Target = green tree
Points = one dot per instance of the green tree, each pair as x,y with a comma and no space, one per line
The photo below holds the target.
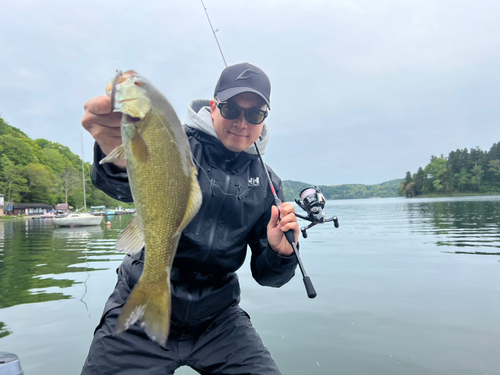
67,180
435,166
410,190
477,174
494,167
437,185
462,179
477,157
18,151
13,182
402,187
75,160
40,184
419,179
55,160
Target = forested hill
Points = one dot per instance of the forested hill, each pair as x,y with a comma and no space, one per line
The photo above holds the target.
461,172
292,190
40,171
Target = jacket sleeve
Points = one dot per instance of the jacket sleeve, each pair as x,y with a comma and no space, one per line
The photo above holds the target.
109,178
268,267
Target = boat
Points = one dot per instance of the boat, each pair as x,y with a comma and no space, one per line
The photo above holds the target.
47,215
98,210
78,219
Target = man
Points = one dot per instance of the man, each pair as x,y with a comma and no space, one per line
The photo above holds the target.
209,331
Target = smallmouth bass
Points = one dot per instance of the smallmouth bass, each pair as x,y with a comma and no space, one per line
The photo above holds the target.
166,194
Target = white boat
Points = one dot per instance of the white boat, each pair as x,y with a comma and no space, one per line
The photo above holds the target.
78,219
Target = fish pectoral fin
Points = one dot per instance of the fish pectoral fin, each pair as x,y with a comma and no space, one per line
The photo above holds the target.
139,147
194,203
131,240
115,155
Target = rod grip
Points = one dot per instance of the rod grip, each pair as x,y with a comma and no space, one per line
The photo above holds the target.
290,236
311,292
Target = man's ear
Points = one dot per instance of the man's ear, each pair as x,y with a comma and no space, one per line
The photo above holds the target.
213,106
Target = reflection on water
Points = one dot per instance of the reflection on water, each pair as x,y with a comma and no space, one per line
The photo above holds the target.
3,330
39,261
465,222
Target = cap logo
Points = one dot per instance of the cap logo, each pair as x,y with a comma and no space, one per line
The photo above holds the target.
248,73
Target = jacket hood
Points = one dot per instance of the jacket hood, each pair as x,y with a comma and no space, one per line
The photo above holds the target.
198,117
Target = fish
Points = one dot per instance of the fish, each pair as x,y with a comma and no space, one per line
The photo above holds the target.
164,185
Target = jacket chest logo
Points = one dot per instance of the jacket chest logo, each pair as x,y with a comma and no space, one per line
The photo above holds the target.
253,182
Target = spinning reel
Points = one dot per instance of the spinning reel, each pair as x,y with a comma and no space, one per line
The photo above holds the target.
312,201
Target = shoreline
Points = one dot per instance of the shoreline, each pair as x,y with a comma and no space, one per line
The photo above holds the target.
14,217
454,195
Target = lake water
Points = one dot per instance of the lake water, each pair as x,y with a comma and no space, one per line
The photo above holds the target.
405,286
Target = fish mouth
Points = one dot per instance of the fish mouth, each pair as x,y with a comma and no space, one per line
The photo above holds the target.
128,77
130,97
129,118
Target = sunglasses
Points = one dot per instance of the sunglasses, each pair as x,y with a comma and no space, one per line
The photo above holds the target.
231,111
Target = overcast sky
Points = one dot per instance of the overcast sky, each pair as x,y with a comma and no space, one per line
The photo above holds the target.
362,90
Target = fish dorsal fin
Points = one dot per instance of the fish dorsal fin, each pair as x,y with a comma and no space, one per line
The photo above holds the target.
115,155
194,204
131,240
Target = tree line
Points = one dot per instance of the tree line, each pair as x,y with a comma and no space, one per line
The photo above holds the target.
40,171
461,172
292,190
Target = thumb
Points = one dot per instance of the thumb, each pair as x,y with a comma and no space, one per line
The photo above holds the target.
273,222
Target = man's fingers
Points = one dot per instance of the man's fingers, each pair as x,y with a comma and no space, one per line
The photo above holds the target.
286,208
273,222
91,120
111,120
99,105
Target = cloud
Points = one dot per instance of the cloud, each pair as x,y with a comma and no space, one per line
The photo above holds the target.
362,91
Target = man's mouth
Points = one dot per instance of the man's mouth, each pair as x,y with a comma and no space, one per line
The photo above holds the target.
238,135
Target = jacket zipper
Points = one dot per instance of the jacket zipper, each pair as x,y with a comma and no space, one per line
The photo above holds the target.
216,216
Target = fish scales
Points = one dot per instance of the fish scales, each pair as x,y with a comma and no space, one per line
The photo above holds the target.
166,195
165,198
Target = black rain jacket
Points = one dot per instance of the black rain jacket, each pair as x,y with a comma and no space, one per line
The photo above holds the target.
235,212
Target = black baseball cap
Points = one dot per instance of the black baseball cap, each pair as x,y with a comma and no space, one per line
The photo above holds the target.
244,77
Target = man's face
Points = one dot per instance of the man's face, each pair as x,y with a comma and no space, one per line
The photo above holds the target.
238,134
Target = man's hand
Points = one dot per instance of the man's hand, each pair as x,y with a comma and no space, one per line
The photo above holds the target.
276,229
103,125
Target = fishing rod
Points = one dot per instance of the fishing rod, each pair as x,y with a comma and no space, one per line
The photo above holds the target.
289,234
311,200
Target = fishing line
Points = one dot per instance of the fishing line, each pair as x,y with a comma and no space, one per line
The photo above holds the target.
87,265
212,183
214,31
290,187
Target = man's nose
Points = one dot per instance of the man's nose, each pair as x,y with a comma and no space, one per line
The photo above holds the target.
241,120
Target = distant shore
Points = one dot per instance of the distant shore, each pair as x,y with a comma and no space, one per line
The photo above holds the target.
454,195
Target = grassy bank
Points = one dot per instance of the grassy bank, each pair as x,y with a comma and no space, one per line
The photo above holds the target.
16,217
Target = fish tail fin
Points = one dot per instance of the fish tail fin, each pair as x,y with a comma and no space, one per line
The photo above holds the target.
149,302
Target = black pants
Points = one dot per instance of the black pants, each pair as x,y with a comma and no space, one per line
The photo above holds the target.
226,344
229,345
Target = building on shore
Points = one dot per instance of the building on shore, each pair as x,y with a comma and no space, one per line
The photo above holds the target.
28,209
